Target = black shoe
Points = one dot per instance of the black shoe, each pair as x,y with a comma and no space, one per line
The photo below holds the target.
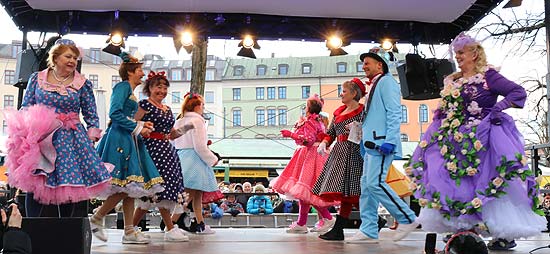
337,231
381,223
447,238
501,244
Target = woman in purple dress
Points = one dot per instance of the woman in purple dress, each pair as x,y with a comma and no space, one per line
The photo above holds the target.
470,171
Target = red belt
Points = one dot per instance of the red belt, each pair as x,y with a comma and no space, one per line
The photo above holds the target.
159,135
342,138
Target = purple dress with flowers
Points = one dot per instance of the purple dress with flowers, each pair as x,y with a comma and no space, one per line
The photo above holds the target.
471,174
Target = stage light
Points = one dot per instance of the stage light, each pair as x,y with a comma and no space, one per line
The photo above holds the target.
114,43
247,44
387,45
116,39
187,38
334,44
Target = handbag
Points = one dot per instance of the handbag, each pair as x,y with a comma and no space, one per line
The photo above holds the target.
398,182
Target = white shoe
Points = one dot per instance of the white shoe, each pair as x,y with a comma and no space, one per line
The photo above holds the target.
294,228
138,229
326,226
135,238
318,225
403,230
206,231
98,230
359,237
175,235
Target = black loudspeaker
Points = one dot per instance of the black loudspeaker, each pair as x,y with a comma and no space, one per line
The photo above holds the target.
422,79
27,63
59,235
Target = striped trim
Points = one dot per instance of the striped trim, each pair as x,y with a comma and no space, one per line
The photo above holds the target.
388,193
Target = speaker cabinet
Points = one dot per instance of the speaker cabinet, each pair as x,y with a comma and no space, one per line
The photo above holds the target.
59,235
422,79
27,63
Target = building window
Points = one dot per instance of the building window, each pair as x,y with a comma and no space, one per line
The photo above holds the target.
360,67
339,90
306,68
305,92
94,55
282,92
404,137
236,94
271,93
238,70
148,63
236,117
94,78
423,113
404,114
188,74
9,77
210,74
209,97
142,96
261,70
4,127
283,69
176,97
341,67
115,79
177,74
117,60
210,118
271,117
282,116
260,117
165,64
9,101
15,49
259,93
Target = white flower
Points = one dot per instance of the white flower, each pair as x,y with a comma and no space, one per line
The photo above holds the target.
455,104
523,160
458,137
498,182
471,135
452,156
476,203
464,151
463,211
422,202
423,144
478,145
471,171
443,150
493,191
440,137
451,166
478,160
520,171
503,174
436,206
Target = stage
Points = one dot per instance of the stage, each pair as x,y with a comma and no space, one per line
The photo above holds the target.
276,241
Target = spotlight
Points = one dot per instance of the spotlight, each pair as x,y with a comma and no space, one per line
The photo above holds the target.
387,45
335,44
247,44
116,39
184,39
115,42
513,3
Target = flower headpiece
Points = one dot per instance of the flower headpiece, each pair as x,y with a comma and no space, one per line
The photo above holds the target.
127,58
160,74
462,40
361,86
67,42
317,98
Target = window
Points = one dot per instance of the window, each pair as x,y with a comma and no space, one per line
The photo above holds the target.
4,127
260,117
210,74
360,67
341,67
117,60
236,94
339,90
176,74
283,69
236,117
115,79
142,96
94,55
165,64
404,114
271,117
8,101
210,118
148,63
238,70
306,68
271,93
282,92
9,77
305,92
176,97
15,49
259,93
188,73
282,116
261,70
423,113
209,97
95,80
404,137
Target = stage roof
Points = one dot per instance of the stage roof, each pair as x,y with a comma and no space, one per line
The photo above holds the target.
406,21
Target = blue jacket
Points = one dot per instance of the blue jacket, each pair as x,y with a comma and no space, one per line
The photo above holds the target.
256,202
383,120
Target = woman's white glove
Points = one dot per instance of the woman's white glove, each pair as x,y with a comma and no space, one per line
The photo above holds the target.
322,149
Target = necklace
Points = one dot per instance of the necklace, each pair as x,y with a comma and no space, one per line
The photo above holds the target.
160,106
61,81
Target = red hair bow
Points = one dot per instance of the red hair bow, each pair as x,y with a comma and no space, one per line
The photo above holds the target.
152,74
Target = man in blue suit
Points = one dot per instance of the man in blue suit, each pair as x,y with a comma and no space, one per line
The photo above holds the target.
381,137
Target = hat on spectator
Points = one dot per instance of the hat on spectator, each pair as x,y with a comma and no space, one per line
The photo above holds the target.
259,187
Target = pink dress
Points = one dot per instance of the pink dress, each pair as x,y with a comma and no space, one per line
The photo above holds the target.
303,169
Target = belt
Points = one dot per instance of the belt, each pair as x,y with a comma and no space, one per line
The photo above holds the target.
342,138
159,135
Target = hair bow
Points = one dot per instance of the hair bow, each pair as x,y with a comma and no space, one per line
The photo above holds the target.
191,95
152,74
67,42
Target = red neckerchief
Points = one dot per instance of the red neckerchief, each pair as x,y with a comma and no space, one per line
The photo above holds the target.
371,81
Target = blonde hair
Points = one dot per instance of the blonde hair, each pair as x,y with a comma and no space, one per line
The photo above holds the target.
480,63
59,49
351,86
189,104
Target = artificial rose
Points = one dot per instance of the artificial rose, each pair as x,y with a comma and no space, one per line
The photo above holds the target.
422,202
498,182
443,150
423,144
451,166
477,145
471,171
476,203
458,137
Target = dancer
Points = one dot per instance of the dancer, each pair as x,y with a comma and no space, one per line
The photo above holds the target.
135,174
50,152
470,171
163,154
304,168
196,159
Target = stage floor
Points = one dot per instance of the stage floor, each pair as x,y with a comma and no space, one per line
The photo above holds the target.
276,241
